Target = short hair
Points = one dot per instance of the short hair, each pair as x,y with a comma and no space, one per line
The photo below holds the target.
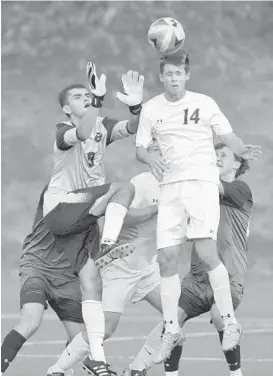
65,91
180,58
244,166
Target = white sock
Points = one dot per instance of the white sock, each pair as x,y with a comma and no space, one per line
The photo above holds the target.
219,281
170,290
174,373
76,351
144,358
238,372
94,320
114,217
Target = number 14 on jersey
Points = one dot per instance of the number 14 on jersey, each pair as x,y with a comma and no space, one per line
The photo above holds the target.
189,117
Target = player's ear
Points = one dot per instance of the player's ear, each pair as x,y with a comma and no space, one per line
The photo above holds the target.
67,109
188,75
236,165
160,77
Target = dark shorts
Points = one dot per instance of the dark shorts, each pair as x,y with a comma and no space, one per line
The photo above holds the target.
197,297
76,231
65,299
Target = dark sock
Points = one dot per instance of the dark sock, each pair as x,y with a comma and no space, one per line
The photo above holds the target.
233,357
172,363
10,347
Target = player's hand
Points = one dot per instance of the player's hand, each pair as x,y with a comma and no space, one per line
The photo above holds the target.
132,83
97,85
157,166
252,152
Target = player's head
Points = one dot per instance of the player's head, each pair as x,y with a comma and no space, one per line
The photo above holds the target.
174,72
75,100
229,163
154,148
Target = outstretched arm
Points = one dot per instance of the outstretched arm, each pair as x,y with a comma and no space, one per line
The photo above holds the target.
235,144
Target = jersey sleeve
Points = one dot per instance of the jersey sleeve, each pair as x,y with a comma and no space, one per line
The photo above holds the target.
66,136
116,130
219,123
236,193
144,135
138,183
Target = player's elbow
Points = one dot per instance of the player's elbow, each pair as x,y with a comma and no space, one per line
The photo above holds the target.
82,134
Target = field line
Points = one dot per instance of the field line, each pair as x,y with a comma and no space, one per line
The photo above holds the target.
194,359
142,338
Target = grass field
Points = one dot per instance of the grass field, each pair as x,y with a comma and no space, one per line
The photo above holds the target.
202,354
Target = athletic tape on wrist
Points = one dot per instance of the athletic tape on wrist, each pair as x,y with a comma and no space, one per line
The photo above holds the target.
135,110
97,101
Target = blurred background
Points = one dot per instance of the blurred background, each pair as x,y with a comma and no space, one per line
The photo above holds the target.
45,46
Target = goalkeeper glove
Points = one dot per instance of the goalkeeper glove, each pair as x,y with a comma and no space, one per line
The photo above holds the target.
96,85
132,83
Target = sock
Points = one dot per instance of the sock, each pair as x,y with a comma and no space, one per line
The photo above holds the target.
171,365
170,290
233,358
144,358
171,373
219,281
75,351
94,320
11,345
238,372
114,217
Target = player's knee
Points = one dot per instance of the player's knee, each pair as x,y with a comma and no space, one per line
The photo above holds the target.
167,260
207,252
90,278
111,323
29,324
125,192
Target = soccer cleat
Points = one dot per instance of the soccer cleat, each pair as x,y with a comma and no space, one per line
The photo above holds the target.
111,252
168,342
97,368
70,372
231,337
134,372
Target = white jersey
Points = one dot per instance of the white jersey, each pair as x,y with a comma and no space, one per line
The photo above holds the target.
183,130
146,194
79,164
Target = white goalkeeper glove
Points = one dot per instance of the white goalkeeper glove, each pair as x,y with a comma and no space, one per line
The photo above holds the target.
97,85
132,83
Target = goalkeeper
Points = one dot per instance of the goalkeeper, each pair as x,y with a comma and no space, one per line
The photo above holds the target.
77,194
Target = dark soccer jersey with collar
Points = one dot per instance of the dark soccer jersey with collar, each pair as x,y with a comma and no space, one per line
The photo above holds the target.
41,253
232,238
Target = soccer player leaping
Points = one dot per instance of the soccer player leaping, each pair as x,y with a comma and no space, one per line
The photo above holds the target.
196,298
77,194
182,122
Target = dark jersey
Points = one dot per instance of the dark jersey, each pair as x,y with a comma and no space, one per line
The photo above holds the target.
40,252
232,238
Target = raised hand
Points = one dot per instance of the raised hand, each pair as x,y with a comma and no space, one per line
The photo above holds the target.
252,152
96,84
132,83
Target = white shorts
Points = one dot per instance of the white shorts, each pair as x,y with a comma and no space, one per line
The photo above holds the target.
121,285
187,210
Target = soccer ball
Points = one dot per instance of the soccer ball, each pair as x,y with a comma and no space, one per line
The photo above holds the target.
166,35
